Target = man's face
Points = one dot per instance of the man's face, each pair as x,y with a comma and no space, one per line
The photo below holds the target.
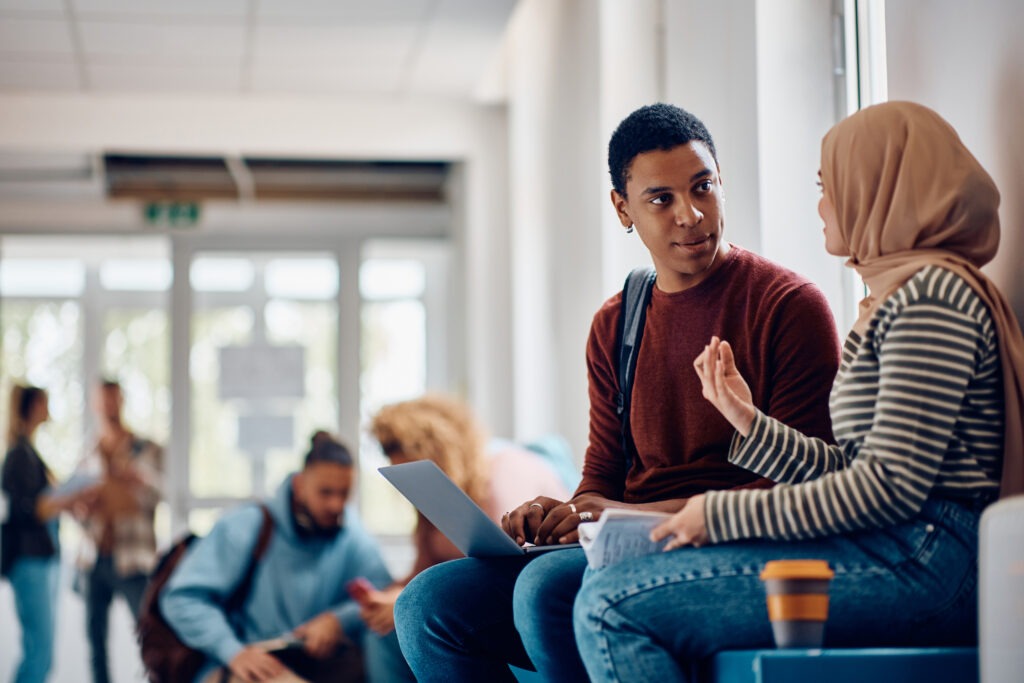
108,403
321,491
674,198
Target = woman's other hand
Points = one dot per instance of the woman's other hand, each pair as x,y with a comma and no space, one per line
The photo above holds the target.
686,527
723,385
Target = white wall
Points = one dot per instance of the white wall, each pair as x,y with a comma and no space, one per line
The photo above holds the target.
796,105
759,73
966,61
555,211
711,71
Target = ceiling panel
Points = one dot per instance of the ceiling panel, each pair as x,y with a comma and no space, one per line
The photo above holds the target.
313,46
38,76
345,79
163,42
295,46
452,60
185,8
35,36
344,10
52,6
150,78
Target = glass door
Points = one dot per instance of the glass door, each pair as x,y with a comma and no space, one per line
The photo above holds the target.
263,371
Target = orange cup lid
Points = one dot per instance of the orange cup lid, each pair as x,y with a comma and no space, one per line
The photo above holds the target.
797,569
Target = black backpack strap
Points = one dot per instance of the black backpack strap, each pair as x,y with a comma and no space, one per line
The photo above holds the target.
242,592
636,293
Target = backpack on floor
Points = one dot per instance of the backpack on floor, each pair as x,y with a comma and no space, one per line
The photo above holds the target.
636,293
164,657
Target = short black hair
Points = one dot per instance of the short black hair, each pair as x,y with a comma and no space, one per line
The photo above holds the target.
655,126
326,448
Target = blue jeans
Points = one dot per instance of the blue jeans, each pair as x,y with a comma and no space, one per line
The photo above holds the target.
102,583
467,620
35,581
655,618
382,656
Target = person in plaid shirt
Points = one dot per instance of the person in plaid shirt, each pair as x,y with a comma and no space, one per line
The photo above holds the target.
119,545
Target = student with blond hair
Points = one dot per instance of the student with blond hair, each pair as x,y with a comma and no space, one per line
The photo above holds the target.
496,475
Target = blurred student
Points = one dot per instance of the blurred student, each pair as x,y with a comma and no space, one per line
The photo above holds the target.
119,545
298,623
29,549
496,475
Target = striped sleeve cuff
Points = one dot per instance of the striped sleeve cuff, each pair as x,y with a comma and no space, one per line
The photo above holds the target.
746,451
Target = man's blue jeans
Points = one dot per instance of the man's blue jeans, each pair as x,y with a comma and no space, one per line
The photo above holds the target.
102,583
467,620
654,618
35,581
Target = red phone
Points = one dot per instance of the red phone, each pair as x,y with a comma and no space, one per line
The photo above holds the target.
360,588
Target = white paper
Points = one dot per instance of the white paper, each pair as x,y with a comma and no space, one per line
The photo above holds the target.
78,481
620,534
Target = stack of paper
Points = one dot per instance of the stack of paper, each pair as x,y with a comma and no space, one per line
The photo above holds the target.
620,534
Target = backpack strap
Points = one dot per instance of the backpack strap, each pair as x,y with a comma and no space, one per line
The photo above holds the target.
242,592
636,293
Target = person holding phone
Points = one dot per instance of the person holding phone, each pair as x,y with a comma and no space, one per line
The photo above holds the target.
298,619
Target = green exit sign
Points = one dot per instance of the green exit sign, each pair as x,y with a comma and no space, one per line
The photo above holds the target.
171,214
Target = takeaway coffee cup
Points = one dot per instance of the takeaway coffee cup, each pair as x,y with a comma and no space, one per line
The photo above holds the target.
797,592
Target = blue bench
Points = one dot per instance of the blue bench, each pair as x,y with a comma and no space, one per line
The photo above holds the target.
872,665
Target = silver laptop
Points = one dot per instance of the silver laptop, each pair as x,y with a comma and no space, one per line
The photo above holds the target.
454,513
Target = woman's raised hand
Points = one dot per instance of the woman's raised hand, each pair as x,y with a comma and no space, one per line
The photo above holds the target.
723,385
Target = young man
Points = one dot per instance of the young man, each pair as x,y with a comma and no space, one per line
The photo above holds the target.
466,620
298,592
119,545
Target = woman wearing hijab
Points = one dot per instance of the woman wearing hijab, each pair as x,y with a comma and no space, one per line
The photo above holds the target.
926,409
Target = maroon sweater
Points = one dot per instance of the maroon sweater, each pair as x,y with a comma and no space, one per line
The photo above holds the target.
784,338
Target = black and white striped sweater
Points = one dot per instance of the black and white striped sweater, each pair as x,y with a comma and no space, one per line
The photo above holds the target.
917,410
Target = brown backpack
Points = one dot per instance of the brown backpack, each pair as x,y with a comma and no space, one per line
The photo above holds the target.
165,658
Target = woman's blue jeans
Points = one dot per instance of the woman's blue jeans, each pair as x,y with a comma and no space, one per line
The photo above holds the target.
35,581
657,617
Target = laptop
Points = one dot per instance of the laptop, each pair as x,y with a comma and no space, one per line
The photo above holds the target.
454,513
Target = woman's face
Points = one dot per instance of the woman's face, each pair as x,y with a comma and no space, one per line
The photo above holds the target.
834,242
40,411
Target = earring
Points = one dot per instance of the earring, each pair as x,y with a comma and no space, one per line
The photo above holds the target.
629,229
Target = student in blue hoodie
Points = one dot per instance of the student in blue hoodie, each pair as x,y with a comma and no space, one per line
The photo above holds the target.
298,591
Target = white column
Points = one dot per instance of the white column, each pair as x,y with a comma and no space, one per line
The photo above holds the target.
632,75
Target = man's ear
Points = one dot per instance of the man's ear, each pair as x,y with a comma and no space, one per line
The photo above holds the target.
621,208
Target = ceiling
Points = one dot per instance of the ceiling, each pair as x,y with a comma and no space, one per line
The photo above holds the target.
243,47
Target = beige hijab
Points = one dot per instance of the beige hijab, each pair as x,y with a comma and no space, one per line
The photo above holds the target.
908,194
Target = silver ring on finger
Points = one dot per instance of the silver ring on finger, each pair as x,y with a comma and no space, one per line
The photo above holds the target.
537,505
572,508
586,516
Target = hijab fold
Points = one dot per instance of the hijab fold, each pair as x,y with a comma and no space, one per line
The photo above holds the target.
908,194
